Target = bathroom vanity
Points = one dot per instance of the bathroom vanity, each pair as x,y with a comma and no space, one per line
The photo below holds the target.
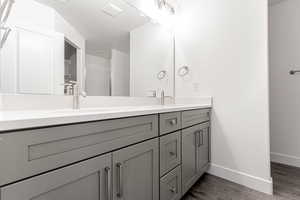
159,154
51,57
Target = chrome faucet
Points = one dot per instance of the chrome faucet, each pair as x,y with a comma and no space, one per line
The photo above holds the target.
163,98
74,90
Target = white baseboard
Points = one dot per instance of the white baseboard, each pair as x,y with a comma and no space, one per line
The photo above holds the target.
256,183
285,159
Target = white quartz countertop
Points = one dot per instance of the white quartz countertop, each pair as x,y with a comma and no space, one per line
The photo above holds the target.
18,120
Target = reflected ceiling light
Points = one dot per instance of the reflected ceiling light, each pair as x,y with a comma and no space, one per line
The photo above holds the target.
112,9
118,9
63,1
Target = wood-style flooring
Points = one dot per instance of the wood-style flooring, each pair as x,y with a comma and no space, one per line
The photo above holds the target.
286,182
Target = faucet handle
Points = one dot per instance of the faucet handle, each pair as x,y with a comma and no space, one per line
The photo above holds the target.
73,82
83,94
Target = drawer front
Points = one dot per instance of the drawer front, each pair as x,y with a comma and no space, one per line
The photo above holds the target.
169,122
27,153
170,152
192,117
170,185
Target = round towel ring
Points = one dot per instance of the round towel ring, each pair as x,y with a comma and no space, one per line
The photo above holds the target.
183,71
161,75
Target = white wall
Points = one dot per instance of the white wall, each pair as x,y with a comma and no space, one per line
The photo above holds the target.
151,50
225,45
97,76
120,73
285,89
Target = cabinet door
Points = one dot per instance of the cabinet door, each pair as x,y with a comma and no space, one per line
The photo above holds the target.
88,180
190,138
136,174
203,149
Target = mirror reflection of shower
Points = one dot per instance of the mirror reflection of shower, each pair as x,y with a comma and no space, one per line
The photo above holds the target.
70,67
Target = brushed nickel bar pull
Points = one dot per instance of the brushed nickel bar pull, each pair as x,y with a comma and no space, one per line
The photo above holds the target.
119,180
202,137
108,183
200,133
196,139
294,72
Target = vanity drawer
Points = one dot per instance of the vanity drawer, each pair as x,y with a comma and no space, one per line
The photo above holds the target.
192,117
30,152
170,152
170,185
169,122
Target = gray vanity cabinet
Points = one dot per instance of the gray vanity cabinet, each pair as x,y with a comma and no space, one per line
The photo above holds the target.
136,172
195,154
139,158
88,180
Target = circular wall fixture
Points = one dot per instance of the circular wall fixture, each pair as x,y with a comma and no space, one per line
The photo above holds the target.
183,71
162,74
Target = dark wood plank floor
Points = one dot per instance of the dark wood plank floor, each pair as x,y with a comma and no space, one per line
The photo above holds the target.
286,181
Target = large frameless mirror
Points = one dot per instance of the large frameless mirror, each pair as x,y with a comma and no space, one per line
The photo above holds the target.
105,47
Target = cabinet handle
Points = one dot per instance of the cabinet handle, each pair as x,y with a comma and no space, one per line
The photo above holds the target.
119,180
197,138
173,122
172,153
201,142
173,190
108,182
202,134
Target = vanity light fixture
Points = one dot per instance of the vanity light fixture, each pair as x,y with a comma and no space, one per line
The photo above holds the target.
165,5
5,9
